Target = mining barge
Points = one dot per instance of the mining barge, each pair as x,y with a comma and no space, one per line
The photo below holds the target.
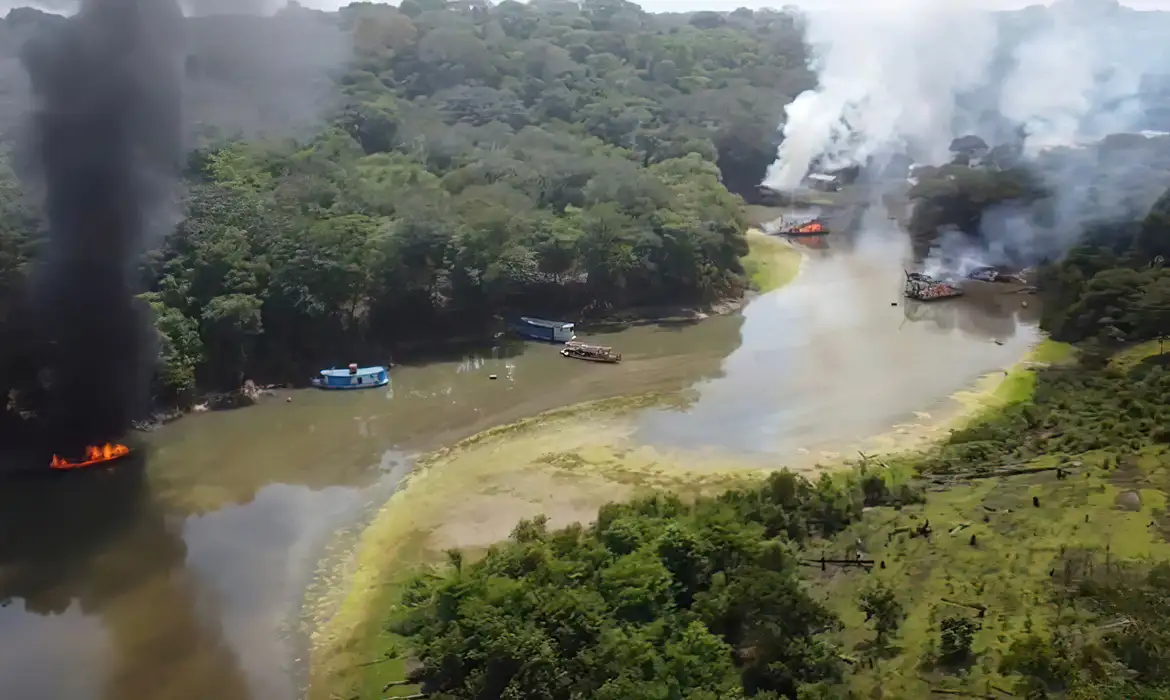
922,287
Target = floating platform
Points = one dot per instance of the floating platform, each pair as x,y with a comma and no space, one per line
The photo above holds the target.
548,331
922,287
811,228
796,227
591,353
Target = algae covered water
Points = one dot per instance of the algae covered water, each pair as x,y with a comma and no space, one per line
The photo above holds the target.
178,579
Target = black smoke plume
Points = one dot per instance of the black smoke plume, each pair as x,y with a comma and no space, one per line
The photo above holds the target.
107,142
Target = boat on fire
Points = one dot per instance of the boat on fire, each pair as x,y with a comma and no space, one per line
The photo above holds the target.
352,377
591,353
94,456
922,287
796,227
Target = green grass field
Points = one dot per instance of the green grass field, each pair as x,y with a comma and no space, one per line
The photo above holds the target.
1094,513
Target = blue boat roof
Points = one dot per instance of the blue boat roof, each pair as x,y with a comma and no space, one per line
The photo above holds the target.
545,324
362,372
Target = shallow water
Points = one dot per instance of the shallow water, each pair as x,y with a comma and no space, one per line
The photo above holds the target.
839,356
177,578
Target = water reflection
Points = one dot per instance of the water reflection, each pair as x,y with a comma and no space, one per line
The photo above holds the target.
55,532
105,578
173,580
837,357
987,311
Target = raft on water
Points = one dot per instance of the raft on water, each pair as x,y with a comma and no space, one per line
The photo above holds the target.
540,329
925,288
592,353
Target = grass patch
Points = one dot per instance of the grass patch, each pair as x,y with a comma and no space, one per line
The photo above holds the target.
1020,383
1129,359
367,657
1051,352
1019,552
771,262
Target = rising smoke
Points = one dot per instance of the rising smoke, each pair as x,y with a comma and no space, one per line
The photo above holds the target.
909,79
108,140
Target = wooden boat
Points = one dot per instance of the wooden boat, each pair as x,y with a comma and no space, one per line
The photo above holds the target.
540,329
353,377
592,353
796,228
921,287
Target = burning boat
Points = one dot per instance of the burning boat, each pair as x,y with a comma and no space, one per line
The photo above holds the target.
796,225
94,456
925,288
812,228
993,274
805,228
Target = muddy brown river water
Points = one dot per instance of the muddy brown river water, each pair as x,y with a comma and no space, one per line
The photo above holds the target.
177,578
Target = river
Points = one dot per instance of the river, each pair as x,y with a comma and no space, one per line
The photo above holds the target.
178,578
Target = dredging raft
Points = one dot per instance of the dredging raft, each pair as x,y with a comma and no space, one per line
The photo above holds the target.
591,353
922,287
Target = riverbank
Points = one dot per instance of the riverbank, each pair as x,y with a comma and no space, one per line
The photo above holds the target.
773,261
991,392
564,464
1000,549
1022,555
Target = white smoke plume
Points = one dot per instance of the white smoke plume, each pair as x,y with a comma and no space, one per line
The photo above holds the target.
919,73
889,79
910,79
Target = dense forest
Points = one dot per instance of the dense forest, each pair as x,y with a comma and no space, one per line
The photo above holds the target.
473,161
707,598
551,156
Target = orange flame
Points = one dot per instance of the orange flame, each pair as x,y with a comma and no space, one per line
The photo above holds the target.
93,455
811,227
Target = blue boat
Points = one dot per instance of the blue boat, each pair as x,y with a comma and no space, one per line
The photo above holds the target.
548,331
353,377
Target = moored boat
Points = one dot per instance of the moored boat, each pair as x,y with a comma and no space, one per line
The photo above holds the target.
592,353
548,331
352,377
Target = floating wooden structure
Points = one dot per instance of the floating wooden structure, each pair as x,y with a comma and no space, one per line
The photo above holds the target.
94,456
812,228
592,353
922,287
540,329
994,274
796,225
353,377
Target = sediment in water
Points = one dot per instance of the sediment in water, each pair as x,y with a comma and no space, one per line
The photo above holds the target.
564,464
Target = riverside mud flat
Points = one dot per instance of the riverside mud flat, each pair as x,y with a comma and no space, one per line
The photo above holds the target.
824,365
182,585
186,582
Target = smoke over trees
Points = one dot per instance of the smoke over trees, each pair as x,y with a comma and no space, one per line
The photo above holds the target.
1054,85
108,142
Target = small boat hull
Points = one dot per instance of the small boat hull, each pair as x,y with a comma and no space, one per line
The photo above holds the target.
320,384
589,358
351,378
545,331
